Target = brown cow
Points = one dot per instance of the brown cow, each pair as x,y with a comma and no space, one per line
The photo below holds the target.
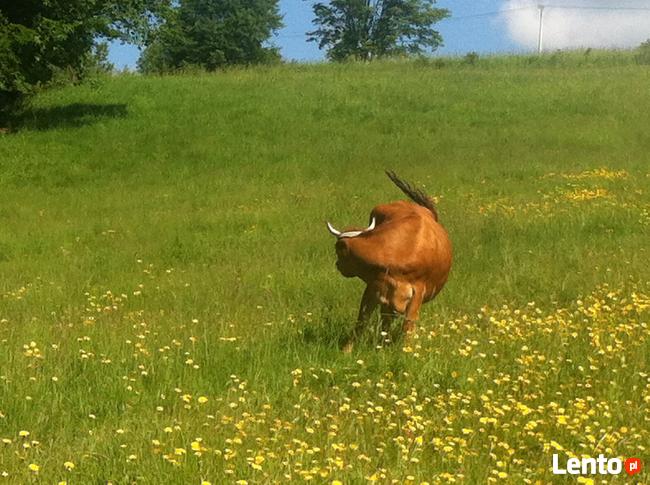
403,256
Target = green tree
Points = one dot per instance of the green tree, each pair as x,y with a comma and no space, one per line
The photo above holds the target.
38,37
213,33
365,29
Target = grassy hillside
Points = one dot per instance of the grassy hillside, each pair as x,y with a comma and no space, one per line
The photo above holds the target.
170,311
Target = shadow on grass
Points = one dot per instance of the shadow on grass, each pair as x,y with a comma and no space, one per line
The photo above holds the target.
333,332
71,115
321,335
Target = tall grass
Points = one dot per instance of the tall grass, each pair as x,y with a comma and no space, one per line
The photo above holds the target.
163,239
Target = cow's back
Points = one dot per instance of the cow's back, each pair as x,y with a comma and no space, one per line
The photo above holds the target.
407,245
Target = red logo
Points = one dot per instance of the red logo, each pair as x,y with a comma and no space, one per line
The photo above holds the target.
633,466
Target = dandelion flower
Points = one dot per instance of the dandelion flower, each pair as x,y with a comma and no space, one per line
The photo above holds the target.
68,465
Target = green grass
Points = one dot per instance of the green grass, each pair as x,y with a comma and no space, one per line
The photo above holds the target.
151,225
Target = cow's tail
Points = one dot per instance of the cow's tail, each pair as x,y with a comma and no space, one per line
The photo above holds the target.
415,194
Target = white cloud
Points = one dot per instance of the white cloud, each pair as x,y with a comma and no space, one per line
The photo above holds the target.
576,28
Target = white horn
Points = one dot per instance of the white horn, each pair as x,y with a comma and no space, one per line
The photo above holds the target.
355,233
331,229
371,226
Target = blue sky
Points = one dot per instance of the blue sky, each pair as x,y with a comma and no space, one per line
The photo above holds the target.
484,34
603,23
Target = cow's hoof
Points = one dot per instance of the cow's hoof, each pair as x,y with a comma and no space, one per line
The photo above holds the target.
347,347
408,328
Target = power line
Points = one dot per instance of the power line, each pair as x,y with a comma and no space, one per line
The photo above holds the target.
586,7
505,11
529,7
488,14
484,14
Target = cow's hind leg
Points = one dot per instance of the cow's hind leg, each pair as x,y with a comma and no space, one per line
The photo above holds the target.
400,300
368,304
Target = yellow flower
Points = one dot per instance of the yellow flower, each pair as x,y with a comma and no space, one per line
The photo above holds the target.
530,425
337,482
586,481
205,482
68,465
34,467
23,434
202,399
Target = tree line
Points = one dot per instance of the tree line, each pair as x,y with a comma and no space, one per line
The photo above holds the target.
40,38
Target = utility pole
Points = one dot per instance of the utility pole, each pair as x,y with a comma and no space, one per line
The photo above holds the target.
540,37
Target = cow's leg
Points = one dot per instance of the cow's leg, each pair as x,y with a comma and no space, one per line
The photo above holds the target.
387,316
412,313
368,305
399,299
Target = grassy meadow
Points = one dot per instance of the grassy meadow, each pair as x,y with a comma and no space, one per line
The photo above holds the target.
170,311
